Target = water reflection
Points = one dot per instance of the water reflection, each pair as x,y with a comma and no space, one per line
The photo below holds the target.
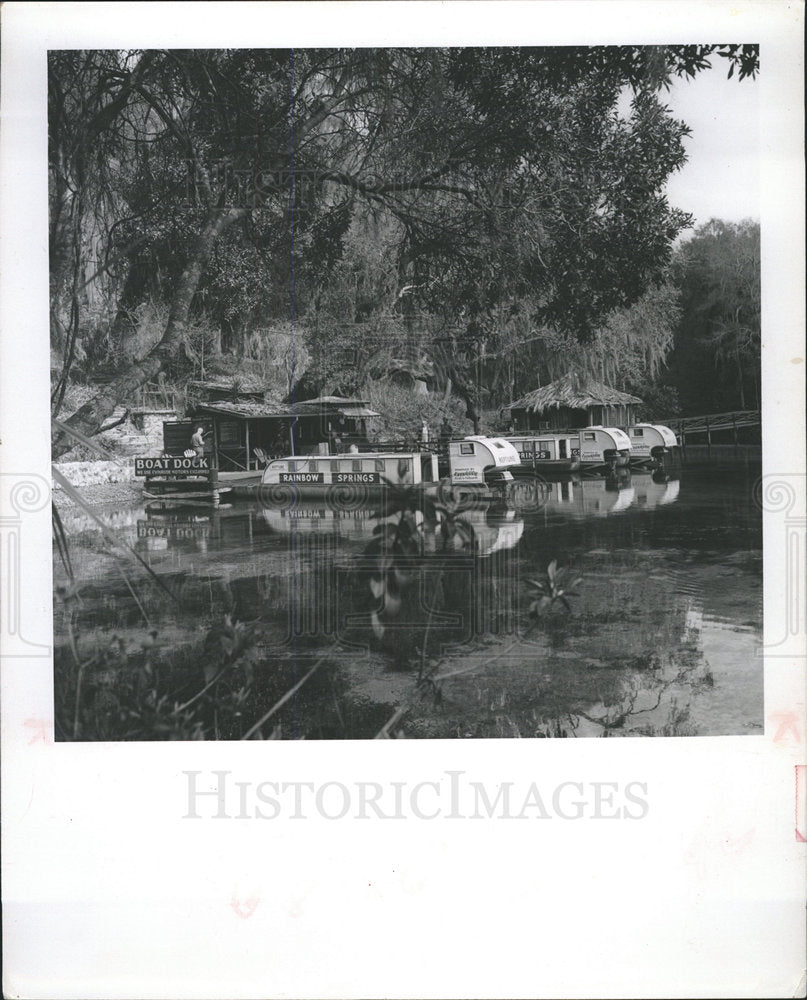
598,496
422,615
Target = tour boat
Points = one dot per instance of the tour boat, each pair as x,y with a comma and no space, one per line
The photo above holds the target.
603,447
481,462
546,452
651,443
478,466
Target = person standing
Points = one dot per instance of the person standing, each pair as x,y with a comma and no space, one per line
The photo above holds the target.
446,430
424,433
198,441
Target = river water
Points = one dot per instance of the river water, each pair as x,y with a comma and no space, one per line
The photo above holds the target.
305,621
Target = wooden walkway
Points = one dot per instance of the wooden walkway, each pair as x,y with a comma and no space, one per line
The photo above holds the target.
713,422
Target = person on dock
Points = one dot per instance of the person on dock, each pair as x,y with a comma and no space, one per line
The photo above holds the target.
198,441
446,431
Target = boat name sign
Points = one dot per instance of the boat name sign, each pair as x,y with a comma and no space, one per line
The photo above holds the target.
357,477
338,477
302,477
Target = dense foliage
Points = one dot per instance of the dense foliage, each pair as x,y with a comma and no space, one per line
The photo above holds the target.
461,202
715,365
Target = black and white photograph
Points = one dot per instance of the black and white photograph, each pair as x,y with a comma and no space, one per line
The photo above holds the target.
402,500
397,393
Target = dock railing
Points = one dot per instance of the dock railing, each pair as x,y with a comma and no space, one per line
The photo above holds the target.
721,424
731,421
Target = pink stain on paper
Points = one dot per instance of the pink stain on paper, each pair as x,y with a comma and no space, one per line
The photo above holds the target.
736,845
787,723
41,731
801,803
244,907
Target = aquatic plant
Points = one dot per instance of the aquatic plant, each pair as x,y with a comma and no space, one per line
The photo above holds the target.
407,559
555,585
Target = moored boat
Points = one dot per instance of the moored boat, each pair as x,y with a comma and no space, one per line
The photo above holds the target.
651,444
477,466
603,448
345,478
546,453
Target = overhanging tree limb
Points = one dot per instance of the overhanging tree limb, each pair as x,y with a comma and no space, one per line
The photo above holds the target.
91,416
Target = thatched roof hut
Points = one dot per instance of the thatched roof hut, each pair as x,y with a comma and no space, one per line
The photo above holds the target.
572,402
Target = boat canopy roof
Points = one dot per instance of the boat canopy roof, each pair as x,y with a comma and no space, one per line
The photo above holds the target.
501,451
666,434
350,456
619,437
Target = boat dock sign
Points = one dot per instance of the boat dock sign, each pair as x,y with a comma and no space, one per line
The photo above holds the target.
175,466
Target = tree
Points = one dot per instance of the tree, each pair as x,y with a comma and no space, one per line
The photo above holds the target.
716,363
508,171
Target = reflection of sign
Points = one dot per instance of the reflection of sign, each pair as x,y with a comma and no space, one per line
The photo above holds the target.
173,465
543,456
463,475
525,455
575,453
147,529
329,514
302,477
357,477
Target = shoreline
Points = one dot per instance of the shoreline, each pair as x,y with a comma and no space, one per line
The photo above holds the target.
101,494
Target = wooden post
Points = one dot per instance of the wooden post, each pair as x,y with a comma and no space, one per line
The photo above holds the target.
708,438
213,475
246,423
291,434
734,428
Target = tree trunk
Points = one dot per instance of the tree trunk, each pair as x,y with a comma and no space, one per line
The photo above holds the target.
90,417
468,396
740,379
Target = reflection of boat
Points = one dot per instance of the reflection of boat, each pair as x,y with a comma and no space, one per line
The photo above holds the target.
192,496
594,497
321,517
655,491
603,447
477,466
492,531
546,453
650,443
597,497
